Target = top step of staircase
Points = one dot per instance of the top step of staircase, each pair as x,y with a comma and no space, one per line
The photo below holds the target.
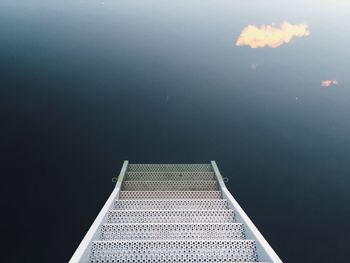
170,168
170,176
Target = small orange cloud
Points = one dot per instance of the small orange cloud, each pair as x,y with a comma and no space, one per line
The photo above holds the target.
328,82
270,35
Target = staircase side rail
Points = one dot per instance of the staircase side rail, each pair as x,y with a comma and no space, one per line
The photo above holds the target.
82,254
264,250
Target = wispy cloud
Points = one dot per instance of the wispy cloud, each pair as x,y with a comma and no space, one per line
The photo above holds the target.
329,82
271,35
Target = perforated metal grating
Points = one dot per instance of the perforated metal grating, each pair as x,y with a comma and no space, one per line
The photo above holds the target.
170,186
171,204
176,250
170,168
169,194
170,176
169,213
155,231
171,216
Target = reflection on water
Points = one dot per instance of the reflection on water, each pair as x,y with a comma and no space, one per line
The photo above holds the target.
328,82
271,35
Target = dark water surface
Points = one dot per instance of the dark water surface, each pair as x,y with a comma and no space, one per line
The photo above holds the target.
87,84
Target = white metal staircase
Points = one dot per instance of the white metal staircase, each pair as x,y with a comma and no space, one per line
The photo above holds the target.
172,213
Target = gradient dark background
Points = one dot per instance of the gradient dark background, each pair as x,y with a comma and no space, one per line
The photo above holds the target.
88,84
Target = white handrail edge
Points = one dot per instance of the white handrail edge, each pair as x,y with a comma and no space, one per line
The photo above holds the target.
82,253
265,251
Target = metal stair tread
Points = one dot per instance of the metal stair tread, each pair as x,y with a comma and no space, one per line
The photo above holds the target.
170,168
162,231
170,176
174,241
135,224
139,216
184,250
189,185
171,204
169,194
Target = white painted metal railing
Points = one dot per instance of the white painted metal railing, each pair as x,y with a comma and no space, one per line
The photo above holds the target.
265,251
83,252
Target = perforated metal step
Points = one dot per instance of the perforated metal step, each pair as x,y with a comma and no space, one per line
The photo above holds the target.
171,216
170,168
171,204
170,176
170,195
170,186
154,231
174,251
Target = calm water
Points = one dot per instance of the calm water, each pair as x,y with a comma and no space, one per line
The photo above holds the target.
87,84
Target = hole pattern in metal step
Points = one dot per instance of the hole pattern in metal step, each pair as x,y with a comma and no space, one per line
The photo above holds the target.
171,216
172,231
170,195
170,176
170,168
174,251
175,204
170,186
